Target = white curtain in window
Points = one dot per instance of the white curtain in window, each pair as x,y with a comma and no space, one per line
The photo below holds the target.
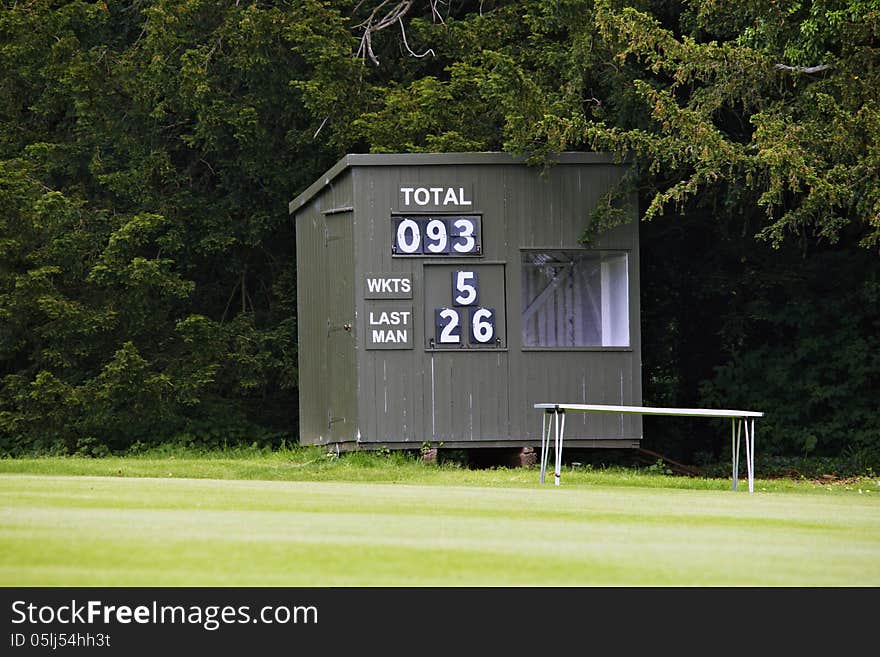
574,299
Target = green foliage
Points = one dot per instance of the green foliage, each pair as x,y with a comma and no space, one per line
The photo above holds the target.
823,470
731,105
812,360
147,154
427,116
659,468
148,151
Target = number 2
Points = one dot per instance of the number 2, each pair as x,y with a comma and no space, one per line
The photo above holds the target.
448,326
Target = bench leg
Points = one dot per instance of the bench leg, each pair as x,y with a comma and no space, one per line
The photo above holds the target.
545,443
750,455
560,435
743,425
736,432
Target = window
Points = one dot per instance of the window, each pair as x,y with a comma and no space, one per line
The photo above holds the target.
575,299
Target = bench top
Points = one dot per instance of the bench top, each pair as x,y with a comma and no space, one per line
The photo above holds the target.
649,410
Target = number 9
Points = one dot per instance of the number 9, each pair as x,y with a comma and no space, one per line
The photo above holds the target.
436,237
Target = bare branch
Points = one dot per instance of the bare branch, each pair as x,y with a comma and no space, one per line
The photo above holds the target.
371,24
429,51
803,69
434,13
383,16
320,127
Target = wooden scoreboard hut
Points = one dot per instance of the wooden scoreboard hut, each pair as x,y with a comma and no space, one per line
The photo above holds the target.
440,296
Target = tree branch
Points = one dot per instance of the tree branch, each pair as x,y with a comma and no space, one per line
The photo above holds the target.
377,21
803,69
429,51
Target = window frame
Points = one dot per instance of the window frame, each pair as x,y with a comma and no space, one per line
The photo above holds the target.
627,253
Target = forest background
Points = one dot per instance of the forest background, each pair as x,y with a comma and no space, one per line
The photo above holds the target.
149,148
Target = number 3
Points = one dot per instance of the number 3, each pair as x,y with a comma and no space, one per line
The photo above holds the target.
463,236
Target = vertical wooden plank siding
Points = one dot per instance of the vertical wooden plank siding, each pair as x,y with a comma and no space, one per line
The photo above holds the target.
406,396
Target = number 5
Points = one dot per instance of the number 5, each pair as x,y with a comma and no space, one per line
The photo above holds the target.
464,288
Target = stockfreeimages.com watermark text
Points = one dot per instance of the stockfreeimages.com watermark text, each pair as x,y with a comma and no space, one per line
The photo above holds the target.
209,617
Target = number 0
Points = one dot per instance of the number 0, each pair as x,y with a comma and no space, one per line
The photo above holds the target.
409,237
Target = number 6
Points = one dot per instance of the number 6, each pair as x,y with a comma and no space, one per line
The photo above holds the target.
482,325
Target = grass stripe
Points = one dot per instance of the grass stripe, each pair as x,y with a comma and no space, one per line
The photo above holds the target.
116,531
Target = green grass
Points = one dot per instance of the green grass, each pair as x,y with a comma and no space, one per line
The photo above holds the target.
314,464
302,519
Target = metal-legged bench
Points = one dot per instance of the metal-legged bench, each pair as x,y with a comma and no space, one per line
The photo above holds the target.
742,422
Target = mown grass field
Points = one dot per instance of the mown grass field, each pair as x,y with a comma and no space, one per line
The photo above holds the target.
304,520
